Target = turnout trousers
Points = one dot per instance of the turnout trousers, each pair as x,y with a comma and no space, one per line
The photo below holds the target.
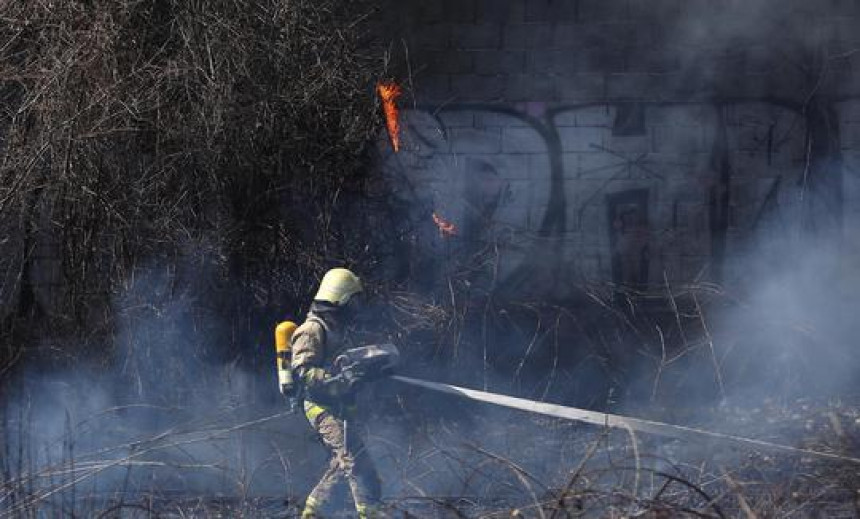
349,459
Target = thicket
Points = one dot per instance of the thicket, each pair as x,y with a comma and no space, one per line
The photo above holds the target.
225,137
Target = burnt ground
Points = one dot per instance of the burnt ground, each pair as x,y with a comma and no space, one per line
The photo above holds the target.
573,469
461,460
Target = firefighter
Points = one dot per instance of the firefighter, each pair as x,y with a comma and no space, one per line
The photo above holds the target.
329,400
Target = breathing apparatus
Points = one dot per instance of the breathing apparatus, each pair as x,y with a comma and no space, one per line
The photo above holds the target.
284,356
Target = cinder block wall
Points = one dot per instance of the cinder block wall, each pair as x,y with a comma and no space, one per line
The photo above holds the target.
629,140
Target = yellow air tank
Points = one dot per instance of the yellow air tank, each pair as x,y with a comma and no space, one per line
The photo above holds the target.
283,337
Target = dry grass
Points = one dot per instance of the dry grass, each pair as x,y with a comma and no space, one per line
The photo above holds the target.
228,135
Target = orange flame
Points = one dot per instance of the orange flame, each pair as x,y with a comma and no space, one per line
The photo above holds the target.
446,228
388,92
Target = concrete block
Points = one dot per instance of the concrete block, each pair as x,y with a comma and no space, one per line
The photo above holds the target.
597,165
423,149
589,192
675,166
582,88
519,195
565,118
747,164
680,115
530,87
523,140
476,36
851,185
471,87
499,62
527,36
843,29
507,11
700,222
590,37
501,118
423,164
741,217
540,169
643,168
656,10
848,82
570,165
455,118
851,161
571,245
760,59
594,267
428,12
536,11
460,10
849,111
440,166
431,36
514,216
540,203
582,139
594,225
447,62
693,83
752,137
511,166
742,192
679,139
563,11
468,140
537,215
604,60
843,72
850,136
571,36
572,189
574,225
651,60
685,214
595,11
628,36
636,144
620,185
556,62
764,187
543,10
601,116
690,241
638,86
433,88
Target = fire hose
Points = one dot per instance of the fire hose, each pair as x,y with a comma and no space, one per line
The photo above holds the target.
616,421
374,361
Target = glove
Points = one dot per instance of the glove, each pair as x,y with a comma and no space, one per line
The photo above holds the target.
321,386
367,363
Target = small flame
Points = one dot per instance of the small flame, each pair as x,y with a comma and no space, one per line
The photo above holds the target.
388,92
446,228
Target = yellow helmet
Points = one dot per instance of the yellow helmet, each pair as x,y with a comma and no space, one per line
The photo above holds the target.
338,286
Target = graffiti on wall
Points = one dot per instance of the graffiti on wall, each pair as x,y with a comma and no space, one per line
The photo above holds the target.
544,197
632,193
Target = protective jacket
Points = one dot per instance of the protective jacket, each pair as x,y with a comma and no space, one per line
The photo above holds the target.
329,404
315,345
